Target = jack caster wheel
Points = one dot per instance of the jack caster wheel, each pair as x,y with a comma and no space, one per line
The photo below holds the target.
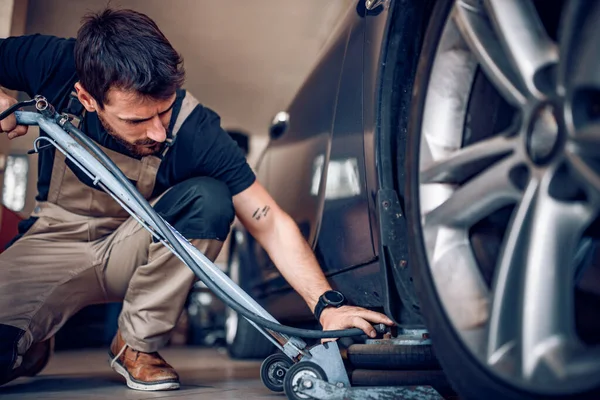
273,370
300,370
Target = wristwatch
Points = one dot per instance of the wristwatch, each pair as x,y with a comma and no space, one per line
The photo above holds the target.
331,298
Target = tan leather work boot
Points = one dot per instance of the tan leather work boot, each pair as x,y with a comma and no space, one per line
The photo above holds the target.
143,371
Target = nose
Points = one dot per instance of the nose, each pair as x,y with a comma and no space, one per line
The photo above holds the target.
157,131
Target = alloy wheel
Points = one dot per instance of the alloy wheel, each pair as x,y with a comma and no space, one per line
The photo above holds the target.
544,167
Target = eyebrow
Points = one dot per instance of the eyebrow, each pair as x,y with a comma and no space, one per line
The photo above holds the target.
148,119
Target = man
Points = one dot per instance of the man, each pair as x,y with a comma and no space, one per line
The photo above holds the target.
79,247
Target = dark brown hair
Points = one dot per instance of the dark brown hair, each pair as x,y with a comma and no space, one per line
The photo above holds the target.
125,49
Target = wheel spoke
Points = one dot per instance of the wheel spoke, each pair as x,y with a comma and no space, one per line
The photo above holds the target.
586,142
548,312
504,325
468,161
570,32
484,43
537,260
589,179
524,38
578,41
478,198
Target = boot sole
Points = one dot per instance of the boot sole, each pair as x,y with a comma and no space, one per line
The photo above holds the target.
132,383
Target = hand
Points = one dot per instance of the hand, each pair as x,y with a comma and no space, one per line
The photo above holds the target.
9,124
352,317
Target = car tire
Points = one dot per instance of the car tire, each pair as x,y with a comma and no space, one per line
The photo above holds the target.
243,340
467,373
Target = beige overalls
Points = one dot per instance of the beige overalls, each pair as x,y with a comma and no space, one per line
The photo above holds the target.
85,249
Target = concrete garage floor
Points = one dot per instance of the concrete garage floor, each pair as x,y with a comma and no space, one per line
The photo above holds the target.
205,374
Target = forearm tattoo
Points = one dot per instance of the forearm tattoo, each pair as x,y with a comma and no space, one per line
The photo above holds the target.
261,212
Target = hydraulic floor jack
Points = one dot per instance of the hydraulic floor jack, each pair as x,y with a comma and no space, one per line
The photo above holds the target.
302,372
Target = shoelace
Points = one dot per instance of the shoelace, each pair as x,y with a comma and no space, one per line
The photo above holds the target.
114,360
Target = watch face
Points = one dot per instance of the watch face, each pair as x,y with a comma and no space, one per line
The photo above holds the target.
333,297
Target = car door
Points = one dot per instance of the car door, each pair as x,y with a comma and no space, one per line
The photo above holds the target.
293,164
316,171
344,238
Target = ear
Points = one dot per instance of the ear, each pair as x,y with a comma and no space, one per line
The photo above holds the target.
86,99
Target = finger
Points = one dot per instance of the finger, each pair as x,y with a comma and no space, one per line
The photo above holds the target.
365,326
22,129
12,134
19,131
375,317
8,124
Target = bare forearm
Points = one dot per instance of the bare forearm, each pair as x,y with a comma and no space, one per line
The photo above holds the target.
281,238
294,258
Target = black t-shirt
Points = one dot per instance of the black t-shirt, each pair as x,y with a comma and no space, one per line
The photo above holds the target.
45,65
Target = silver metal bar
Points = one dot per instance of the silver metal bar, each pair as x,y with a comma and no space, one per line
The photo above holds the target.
104,178
71,147
224,282
270,335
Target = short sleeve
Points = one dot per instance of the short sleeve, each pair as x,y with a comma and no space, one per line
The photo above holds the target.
216,154
36,63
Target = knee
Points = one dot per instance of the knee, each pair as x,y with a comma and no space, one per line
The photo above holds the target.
211,207
199,208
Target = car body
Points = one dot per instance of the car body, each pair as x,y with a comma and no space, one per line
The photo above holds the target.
322,170
422,145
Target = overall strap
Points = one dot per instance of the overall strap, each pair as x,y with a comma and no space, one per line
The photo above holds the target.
188,105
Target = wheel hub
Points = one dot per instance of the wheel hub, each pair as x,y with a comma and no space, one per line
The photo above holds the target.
279,372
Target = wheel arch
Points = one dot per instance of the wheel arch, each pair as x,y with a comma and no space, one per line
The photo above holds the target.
399,58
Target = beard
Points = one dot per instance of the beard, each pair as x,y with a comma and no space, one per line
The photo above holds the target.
140,148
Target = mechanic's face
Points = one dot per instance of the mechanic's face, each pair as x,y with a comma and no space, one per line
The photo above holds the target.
137,122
